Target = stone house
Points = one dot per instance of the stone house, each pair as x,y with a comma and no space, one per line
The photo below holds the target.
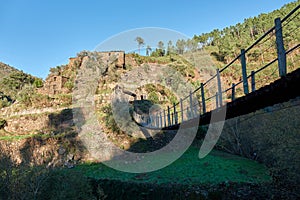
55,84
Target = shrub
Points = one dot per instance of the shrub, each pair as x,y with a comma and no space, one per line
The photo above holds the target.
109,119
38,83
153,97
69,85
39,182
4,102
66,184
3,123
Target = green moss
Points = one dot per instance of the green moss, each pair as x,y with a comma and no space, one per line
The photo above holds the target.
15,137
217,167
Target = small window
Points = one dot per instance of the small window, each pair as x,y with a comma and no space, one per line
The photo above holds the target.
54,79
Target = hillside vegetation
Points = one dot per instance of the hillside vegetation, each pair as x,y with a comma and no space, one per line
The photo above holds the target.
16,85
229,41
38,135
5,70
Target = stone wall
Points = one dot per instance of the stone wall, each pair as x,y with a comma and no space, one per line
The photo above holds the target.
54,84
54,152
27,124
270,135
39,120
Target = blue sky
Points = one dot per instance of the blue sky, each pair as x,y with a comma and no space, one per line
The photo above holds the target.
37,35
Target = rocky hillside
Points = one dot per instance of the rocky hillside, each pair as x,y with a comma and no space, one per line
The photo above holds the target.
6,70
45,110
44,129
15,85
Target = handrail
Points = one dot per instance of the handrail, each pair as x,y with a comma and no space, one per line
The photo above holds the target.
173,117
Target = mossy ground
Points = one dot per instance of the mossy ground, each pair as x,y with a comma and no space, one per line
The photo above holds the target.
216,168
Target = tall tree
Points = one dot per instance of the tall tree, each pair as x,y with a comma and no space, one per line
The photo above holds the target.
180,45
170,48
148,49
160,45
161,48
140,42
191,44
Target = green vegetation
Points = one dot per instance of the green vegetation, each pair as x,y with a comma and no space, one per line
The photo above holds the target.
15,82
216,168
230,40
18,85
224,45
2,123
5,100
6,70
140,42
38,83
175,61
108,119
159,94
153,97
15,137
39,182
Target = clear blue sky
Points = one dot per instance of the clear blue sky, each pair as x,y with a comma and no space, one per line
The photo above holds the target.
37,35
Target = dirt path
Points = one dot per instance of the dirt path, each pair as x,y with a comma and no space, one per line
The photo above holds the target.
7,113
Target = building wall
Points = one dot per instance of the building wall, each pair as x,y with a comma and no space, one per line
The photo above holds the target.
54,85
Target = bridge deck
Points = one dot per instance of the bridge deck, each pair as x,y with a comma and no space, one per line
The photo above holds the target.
279,91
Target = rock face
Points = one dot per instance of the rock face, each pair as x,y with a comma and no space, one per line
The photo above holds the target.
26,124
55,83
114,56
53,152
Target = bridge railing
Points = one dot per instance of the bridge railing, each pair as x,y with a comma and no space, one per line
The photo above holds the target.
241,75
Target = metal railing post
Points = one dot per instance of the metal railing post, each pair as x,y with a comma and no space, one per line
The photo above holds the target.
244,71
176,118
219,88
160,118
165,119
217,100
252,81
169,119
181,109
174,111
203,98
233,92
280,48
191,104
